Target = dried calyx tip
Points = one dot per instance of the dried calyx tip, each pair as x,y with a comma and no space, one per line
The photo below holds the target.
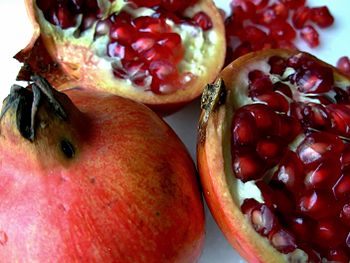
26,102
213,95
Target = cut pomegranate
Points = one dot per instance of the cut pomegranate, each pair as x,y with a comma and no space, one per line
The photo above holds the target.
277,144
98,37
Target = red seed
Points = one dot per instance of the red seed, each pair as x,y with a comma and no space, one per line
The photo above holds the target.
265,118
317,205
290,172
276,12
163,69
123,52
244,129
252,34
248,205
345,214
260,4
133,66
142,44
259,83
61,16
330,231
343,64
341,188
340,118
300,17
282,199
278,65
203,20
316,79
310,36
294,4
283,241
319,146
287,128
173,42
275,101
322,16
337,255
248,167
282,30
243,9
345,156
262,219
269,148
302,228
242,49
123,33
315,116
158,52
170,40
325,175
151,24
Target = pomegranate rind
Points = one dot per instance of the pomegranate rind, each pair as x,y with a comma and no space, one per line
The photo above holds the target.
78,61
214,159
99,207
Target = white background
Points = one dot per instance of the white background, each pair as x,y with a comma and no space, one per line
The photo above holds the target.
16,31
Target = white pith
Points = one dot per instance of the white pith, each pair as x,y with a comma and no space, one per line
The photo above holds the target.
199,45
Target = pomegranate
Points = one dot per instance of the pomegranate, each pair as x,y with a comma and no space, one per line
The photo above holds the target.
154,52
273,157
93,177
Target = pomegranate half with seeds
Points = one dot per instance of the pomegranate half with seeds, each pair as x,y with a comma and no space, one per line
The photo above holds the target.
155,52
274,157
93,177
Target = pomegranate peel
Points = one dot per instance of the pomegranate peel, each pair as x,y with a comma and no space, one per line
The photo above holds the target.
82,53
76,195
256,206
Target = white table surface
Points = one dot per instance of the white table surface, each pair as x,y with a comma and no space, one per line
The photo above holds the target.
16,31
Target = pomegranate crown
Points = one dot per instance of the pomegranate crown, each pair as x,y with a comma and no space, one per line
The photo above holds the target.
26,101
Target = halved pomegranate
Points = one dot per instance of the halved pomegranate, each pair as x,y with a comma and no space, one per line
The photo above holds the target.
93,177
154,52
273,156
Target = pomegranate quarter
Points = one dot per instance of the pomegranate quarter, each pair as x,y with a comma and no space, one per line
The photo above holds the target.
155,52
274,157
93,177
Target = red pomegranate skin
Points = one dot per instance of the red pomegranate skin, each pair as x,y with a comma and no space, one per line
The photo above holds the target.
128,193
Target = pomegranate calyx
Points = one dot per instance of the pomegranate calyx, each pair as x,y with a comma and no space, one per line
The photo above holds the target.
25,103
213,96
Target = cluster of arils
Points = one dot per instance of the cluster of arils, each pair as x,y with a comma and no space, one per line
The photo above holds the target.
263,24
304,183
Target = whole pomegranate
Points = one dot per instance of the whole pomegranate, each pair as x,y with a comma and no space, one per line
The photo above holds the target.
155,52
93,177
273,156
